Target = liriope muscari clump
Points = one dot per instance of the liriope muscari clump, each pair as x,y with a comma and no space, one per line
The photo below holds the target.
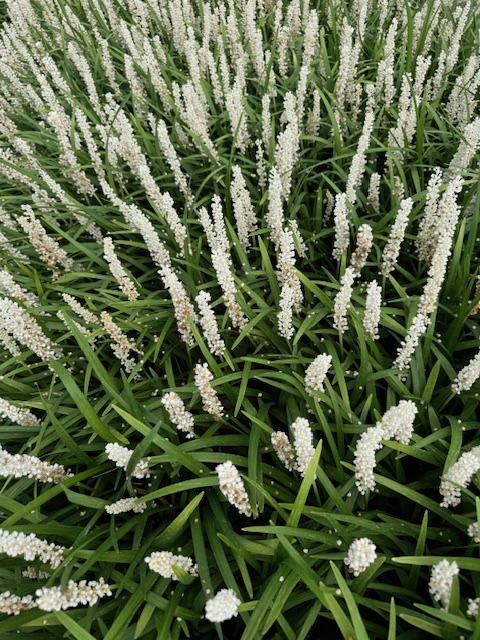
214,218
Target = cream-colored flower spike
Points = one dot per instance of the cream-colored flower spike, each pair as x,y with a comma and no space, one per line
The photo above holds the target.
211,403
125,284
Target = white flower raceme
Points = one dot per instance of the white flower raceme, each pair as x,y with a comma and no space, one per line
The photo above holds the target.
373,197
9,287
342,300
473,607
216,232
460,474
242,207
121,345
441,581
83,592
392,248
47,248
364,245
22,465
211,403
16,543
274,216
23,417
125,284
297,457
357,166
77,308
428,229
283,449
373,306
474,532
162,562
16,325
468,375
208,323
177,413
223,606
302,443
13,605
448,213
232,487
396,423
182,307
125,505
315,374
361,554
172,158
341,226
121,456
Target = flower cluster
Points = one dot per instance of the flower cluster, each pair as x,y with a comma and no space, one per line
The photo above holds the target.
125,505
83,592
177,413
223,606
211,403
315,374
121,456
208,323
459,475
232,487
23,417
468,375
163,562
22,465
297,457
361,554
397,423
441,581
16,543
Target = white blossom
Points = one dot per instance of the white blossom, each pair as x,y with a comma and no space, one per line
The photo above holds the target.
211,403
302,443
208,323
163,562
473,531
315,374
242,207
460,473
283,449
232,487
472,609
223,606
361,554
396,423
20,416
364,245
22,465
373,306
177,413
441,581
468,375
342,300
121,456
391,250
13,605
341,226
125,505
16,543
83,592
125,284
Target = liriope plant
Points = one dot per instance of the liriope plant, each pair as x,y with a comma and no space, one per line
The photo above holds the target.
239,297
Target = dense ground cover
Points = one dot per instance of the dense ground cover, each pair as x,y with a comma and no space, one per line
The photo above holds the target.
239,299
